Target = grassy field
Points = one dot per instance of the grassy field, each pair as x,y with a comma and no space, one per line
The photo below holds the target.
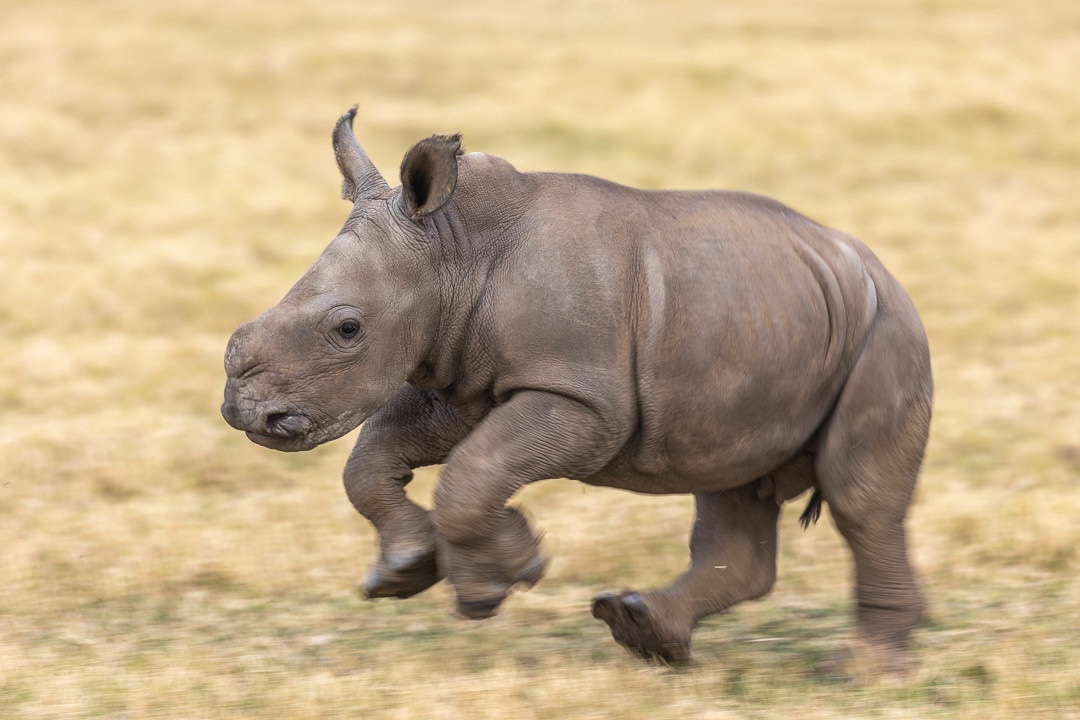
167,174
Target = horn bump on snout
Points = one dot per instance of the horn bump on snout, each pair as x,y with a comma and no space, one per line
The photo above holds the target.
238,353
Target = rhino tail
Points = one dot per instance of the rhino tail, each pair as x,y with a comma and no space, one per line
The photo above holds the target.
812,513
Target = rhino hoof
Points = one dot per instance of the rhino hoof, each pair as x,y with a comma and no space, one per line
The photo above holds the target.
534,572
634,626
863,663
477,609
400,578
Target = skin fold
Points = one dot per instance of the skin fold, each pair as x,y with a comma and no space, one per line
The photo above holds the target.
523,326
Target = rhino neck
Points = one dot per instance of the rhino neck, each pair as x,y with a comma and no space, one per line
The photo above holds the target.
473,236
464,268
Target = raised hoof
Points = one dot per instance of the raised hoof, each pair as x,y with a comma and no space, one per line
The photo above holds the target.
634,627
534,572
402,578
477,609
483,609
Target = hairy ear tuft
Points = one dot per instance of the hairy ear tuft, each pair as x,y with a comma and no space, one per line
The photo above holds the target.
429,174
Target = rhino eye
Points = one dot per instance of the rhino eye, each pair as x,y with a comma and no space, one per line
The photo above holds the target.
349,329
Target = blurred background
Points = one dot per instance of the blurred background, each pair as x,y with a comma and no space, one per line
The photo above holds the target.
167,174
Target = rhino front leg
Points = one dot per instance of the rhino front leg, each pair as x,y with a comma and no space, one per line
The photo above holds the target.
413,430
488,547
733,558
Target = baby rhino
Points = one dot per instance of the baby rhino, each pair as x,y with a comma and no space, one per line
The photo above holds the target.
522,326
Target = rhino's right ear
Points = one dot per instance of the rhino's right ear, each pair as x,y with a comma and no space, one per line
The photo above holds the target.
360,178
429,174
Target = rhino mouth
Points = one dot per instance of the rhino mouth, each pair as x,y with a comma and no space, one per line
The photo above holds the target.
295,433
288,431
288,425
293,443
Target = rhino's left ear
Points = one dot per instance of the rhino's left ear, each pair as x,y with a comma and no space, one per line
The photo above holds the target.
429,174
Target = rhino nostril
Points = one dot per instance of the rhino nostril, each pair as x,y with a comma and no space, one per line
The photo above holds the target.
286,424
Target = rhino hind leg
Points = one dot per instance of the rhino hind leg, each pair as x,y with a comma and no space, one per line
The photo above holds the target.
867,463
634,626
733,559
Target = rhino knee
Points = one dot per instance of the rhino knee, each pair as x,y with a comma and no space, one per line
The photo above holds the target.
756,573
373,484
762,580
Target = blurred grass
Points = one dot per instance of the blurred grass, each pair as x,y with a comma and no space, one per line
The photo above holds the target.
168,174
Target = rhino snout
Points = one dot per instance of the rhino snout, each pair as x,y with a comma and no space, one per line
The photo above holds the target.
247,415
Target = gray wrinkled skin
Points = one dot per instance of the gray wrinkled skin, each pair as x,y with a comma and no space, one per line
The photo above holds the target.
523,326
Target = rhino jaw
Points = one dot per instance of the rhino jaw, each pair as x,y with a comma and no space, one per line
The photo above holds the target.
291,443
287,432
283,431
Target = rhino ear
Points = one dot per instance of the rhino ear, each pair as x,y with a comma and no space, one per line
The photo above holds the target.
360,178
429,174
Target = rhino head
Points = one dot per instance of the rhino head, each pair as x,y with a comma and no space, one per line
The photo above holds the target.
362,318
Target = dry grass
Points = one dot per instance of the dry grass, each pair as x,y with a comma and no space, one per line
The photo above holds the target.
168,174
